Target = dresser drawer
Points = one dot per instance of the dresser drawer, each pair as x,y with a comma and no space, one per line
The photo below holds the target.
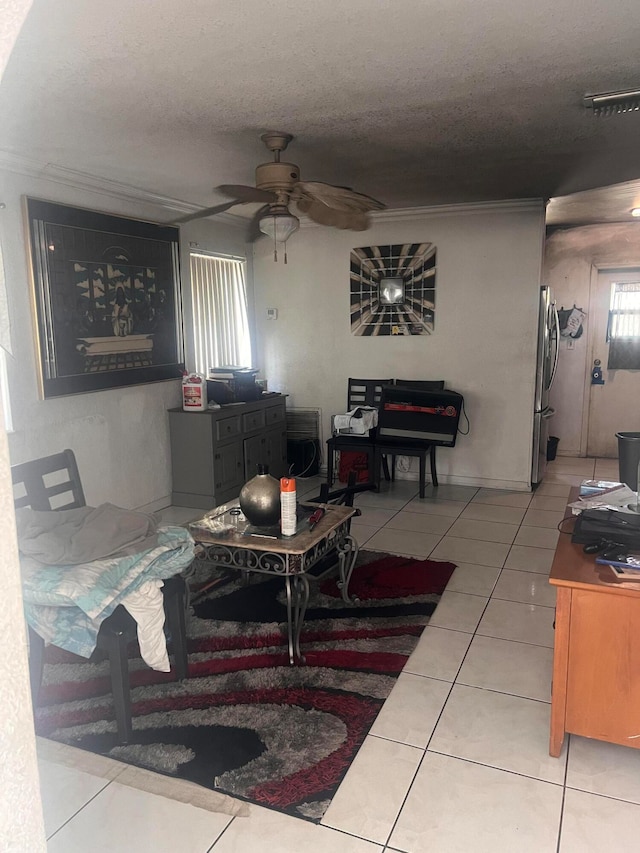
275,415
226,428
253,420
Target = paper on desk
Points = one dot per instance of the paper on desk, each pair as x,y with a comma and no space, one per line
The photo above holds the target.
617,499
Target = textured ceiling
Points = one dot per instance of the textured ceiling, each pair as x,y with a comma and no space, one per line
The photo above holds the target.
415,102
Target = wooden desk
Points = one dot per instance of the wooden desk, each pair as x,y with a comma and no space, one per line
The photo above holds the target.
596,661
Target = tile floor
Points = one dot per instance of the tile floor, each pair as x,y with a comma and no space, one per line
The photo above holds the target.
458,758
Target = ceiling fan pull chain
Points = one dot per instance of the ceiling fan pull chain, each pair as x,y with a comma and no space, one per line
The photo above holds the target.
275,248
285,253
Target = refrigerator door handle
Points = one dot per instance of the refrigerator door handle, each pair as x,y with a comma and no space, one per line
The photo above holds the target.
555,337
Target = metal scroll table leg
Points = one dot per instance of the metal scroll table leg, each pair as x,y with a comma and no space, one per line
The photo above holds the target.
347,556
297,599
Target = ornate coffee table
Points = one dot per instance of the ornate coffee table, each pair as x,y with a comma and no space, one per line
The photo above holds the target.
226,539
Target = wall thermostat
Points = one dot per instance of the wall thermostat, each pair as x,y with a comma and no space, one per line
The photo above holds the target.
272,313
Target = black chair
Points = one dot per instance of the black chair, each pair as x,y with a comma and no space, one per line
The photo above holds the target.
64,491
407,447
410,447
361,392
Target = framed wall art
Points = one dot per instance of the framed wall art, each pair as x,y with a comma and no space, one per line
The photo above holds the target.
393,289
107,299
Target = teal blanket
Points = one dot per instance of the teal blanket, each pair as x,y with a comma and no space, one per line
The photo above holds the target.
65,605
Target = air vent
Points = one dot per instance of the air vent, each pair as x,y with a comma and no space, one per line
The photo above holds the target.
613,103
304,449
303,424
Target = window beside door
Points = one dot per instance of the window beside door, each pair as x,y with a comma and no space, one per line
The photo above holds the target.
623,328
220,314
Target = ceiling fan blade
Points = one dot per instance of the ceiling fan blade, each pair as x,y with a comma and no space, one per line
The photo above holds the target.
246,194
254,231
208,211
351,220
338,198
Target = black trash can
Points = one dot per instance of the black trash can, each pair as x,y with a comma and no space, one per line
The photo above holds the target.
629,458
552,447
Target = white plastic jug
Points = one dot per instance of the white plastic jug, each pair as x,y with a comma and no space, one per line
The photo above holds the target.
194,392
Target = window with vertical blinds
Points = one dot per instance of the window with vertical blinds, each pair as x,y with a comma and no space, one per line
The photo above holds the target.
220,318
623,332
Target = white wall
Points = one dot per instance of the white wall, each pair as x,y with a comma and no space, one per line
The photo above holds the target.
120,436
569,256
484,345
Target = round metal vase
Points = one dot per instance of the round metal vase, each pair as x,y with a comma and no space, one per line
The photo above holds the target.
260,499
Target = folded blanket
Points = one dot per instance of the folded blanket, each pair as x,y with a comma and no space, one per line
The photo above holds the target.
65,605
72,536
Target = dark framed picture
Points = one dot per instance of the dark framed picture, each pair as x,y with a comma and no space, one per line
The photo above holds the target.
107,299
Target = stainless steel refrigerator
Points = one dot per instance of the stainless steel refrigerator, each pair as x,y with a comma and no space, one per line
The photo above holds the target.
547,364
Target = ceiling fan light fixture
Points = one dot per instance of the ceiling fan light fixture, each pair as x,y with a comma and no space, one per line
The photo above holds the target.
635,211
279,225
613,103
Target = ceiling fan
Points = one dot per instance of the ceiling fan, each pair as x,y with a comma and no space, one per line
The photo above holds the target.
278,185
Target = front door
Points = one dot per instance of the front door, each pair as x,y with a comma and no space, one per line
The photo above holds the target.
615,406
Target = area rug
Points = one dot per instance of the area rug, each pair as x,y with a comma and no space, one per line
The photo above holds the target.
245,722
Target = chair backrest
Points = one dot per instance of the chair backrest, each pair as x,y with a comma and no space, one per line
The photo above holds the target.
365,392
421,384
52,482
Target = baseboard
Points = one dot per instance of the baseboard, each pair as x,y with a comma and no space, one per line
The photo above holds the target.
155,506
456,480
479,482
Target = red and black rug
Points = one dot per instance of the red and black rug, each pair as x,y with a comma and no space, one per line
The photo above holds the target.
245,722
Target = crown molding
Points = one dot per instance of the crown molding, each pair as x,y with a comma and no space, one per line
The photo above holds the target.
76,179
439,210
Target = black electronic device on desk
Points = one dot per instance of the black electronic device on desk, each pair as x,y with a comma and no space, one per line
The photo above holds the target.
606,527
412,413
232,385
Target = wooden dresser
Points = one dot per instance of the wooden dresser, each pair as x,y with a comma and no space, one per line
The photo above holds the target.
596,662
214,452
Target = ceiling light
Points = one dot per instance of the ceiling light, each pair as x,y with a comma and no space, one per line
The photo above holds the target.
279,225
635,211
612,103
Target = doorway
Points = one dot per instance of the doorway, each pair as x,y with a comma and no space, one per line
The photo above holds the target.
613,406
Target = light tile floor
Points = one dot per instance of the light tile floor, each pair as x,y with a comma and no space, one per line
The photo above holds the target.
458,758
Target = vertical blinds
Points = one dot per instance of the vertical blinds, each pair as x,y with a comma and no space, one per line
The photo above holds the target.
220,320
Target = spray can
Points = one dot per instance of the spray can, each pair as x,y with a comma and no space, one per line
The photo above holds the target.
288,518
194,392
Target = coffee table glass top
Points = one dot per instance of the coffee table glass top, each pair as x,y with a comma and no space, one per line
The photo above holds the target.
226,524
